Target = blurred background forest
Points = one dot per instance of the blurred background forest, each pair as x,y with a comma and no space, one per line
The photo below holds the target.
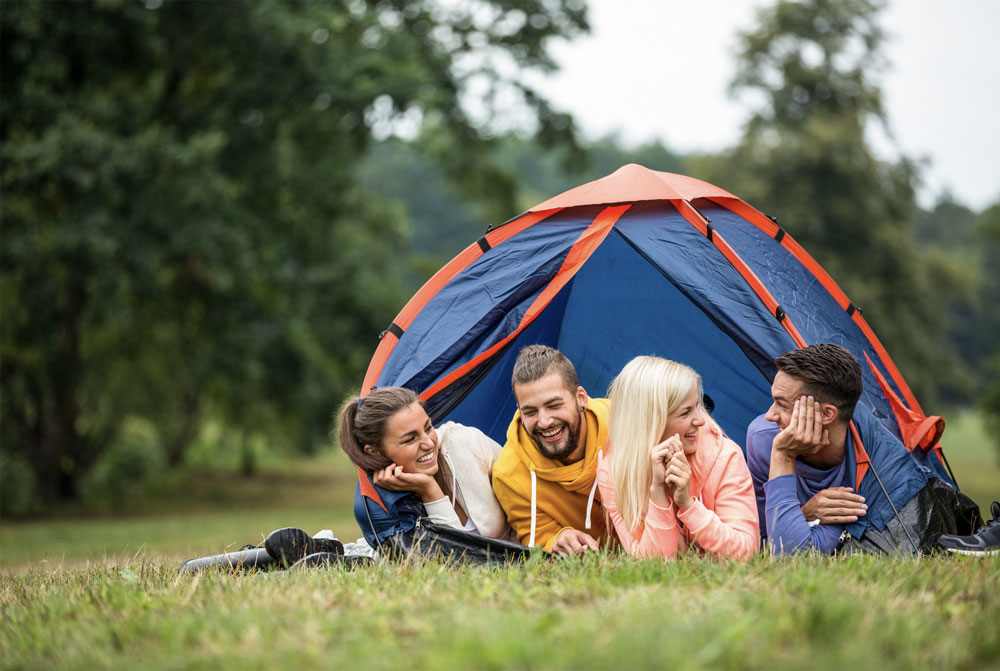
211,210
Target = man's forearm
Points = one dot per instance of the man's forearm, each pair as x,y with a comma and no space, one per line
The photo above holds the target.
788,530
782,463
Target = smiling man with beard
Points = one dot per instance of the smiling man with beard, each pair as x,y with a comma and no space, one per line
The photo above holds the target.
545,476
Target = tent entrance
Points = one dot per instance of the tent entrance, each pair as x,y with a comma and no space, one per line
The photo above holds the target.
618,306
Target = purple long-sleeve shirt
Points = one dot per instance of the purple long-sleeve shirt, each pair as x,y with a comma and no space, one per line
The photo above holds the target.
779,501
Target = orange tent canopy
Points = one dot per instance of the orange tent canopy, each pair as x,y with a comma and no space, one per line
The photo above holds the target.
632,183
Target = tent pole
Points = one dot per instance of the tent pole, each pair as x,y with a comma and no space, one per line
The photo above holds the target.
916,550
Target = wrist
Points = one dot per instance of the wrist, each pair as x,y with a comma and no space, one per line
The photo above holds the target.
782,463
431,492
658,496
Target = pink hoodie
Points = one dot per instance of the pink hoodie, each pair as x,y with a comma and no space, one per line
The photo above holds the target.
721,518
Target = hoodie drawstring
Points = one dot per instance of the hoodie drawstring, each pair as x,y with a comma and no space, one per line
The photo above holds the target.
590,498
534,508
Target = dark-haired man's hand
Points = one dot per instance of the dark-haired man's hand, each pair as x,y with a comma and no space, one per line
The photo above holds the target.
836,505
805,433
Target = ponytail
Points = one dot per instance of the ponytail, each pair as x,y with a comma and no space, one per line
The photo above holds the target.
362,422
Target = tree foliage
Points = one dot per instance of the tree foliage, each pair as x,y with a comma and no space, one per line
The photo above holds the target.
810,71
986,329
184,232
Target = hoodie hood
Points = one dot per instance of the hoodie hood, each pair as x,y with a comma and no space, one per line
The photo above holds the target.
577,477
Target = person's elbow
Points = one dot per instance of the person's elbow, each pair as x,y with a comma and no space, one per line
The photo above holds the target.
742,546
782,546
746,548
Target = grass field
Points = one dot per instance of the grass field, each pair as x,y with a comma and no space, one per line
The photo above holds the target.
595,613
103,592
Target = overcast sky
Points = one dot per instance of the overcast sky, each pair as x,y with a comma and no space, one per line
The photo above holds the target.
660,68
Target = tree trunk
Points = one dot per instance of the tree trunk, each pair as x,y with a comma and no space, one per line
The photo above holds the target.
248,458
180,441
64,453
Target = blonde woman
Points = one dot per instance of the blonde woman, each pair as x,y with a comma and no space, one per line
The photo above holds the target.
671,479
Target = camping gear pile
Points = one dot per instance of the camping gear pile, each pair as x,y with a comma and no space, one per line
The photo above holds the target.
293,548
283,548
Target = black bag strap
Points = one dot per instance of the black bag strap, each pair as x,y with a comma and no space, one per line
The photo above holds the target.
441,540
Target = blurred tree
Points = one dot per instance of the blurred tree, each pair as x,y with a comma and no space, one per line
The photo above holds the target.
442,219
809,70
184,233
955,252
546,173
987,328
948,224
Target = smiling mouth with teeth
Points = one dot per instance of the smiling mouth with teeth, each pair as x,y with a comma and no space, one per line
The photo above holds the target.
551,433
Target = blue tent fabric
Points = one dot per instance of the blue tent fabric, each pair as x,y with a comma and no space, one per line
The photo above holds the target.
586,320
696,268
891,466
655,285
490,404
816,314
484,303
604,327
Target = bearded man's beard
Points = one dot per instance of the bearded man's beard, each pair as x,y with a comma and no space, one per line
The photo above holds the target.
572,436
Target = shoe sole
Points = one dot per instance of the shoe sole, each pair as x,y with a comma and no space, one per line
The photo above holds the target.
329,560
974,553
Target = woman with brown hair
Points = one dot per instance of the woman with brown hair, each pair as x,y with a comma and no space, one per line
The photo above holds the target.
417,470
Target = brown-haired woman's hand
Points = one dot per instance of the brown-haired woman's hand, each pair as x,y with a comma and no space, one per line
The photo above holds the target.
394,479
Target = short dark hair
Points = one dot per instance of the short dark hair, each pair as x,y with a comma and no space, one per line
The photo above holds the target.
536,361
830,373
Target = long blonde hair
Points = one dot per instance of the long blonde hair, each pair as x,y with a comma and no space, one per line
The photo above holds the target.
647,390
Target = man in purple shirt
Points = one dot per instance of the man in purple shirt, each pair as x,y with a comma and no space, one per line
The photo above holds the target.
797,451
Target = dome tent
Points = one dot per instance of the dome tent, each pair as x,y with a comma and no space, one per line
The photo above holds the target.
640,262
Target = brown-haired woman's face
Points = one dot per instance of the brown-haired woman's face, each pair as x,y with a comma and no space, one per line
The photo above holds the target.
410,440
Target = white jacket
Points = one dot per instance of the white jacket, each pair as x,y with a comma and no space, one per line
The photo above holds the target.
470,454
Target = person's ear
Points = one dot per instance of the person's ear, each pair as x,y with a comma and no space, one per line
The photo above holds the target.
829,413
371,450
581,396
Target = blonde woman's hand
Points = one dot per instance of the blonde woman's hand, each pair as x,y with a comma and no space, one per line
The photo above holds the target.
659,456
678,478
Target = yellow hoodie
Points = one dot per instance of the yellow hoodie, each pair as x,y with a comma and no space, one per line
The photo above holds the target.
543,496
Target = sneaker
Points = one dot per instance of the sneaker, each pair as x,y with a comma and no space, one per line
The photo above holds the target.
984,542
359,548
288,545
